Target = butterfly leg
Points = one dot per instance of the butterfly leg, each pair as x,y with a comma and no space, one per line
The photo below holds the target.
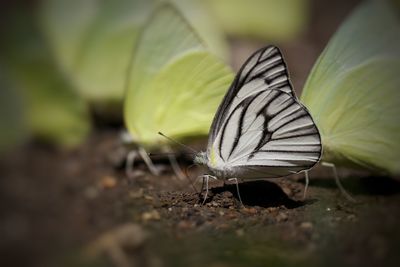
175,166
148,162
306,185
130,160
337,180
187,176
237,188
205,178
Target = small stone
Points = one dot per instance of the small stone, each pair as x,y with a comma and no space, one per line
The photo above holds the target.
351,217
91,192
147,197
239,232
136,194
308,226
231,215
129,236
272,209
214,204
328,209
184,225
227,194
287,191
151,215
251,211
338,219
281,217
108,182
223,226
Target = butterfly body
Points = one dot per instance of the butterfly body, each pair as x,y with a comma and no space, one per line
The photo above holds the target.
261,130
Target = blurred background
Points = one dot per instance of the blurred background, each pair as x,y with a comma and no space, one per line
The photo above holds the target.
63,191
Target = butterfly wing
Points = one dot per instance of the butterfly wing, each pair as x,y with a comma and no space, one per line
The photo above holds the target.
175,83
261,130
353,91
264,70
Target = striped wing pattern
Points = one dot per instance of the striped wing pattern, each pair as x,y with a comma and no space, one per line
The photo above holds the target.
268,133
264,70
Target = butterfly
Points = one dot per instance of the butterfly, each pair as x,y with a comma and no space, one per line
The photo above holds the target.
261,130
353,91
174,84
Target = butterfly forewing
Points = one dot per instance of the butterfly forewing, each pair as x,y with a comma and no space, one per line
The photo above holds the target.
264,70
261,130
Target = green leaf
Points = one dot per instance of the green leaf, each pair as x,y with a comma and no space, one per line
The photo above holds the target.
175,83
352,91
278,20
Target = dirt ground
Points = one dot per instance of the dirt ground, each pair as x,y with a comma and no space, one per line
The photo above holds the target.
79,208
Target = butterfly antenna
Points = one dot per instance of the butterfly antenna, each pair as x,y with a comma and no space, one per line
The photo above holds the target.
179,143
163,154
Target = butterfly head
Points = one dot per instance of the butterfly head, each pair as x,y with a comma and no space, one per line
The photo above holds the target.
201,158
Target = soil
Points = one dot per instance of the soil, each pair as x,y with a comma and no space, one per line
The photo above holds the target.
79,208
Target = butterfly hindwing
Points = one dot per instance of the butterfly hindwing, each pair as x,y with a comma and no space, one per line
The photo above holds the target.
264,70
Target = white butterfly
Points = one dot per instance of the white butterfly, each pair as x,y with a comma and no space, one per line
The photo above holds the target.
261,130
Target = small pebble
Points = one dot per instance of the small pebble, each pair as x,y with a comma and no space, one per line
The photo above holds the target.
113,241
351,217
108,182
281,217
287,191
223,226
214,204
151,215
91,192
136,194
231,215
249,210
147,197
338,219
239,232
306,226
184,225
272,209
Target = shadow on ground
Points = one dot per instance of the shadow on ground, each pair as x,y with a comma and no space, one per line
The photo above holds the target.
259,193
370,185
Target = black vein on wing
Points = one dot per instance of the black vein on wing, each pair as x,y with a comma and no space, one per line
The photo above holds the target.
241,79
268,131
